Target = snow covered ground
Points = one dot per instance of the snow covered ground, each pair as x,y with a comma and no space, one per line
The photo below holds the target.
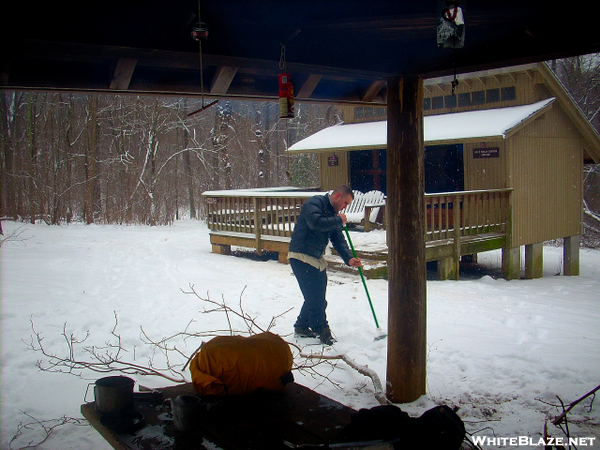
502,351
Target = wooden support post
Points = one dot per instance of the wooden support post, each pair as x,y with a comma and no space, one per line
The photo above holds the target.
455,275
407,308
449,268
257,225
221,249
511,263
534,261
282,257
446,269
571,255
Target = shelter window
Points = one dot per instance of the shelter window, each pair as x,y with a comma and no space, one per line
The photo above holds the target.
464,99
437,102
359,112
492,95
508,93
380,112
427,104
450,101
478,97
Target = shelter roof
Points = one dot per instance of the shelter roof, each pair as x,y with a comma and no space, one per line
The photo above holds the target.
337,50
463,126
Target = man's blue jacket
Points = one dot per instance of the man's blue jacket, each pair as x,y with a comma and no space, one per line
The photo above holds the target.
318,224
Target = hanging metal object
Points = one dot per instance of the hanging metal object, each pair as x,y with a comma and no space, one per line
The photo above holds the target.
199,34
451,30
451,24
200,31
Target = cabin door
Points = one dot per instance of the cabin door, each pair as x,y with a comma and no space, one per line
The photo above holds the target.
444,168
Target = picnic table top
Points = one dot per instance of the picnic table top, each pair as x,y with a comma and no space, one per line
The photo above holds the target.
261,420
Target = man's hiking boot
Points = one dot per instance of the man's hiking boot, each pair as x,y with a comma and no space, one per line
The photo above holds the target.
326,338
304,332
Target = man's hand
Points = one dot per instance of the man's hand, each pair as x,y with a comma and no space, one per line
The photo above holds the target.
344,218
355,262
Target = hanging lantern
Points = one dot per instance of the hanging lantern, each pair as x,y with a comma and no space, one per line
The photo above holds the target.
451,24
200,31
286,96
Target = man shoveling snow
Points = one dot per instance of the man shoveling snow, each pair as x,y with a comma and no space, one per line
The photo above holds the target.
319,222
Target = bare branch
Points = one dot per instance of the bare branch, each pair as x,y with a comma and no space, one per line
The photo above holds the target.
363,370
562,416
96,359
47,427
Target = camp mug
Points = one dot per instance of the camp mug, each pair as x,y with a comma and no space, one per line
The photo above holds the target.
114,394
184,410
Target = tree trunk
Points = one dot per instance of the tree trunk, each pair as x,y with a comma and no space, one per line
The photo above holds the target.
31,169
90,160
7,189
187,167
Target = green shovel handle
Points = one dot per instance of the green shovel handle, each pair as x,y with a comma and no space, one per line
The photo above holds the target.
362,277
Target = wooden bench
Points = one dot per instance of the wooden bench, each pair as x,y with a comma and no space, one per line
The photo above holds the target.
365,208
262,420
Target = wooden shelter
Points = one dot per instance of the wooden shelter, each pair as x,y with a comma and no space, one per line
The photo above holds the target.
368,53
514,128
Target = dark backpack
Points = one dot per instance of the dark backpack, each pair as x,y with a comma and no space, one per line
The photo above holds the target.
439,428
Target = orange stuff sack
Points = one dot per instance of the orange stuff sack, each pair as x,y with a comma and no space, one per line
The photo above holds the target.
233,365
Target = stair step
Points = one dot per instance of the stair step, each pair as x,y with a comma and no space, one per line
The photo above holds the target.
372,269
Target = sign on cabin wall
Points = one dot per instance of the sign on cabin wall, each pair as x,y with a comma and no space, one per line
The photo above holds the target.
486,152
332,161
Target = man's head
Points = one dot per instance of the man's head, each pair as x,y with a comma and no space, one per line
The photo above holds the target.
341,197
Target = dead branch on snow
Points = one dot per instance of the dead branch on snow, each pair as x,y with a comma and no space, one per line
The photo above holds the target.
363,370
45,427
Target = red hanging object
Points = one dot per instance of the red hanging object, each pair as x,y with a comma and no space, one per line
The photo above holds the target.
286,96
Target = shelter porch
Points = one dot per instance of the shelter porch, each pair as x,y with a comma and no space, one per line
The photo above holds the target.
457,224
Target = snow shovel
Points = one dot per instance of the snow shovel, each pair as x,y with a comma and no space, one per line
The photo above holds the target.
362,277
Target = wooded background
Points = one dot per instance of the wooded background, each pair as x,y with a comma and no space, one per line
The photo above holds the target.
133,159
141,159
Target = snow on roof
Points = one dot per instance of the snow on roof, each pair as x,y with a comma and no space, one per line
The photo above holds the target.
276,192
444,127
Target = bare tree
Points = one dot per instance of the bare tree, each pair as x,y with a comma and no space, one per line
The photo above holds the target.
129,159
581,77
591,205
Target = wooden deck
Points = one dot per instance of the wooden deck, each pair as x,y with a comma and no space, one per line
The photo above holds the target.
456,223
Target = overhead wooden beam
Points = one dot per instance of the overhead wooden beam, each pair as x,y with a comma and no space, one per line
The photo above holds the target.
407,309
78,52
223,79
309,86
122,74
374,89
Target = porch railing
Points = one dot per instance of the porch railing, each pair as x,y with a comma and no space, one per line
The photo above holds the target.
466,213
275,212
261,213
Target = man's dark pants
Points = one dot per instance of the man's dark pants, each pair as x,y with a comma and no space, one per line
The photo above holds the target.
313,284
